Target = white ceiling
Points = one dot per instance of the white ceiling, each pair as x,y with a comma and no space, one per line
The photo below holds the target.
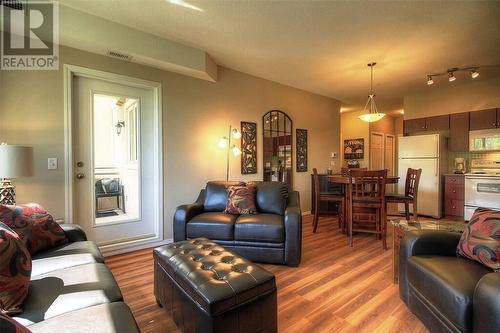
324,46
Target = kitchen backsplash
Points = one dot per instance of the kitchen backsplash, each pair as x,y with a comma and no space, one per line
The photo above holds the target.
468,156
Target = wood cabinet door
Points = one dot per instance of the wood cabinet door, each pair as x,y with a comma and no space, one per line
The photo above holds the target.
414,125
459,132
485,119
437,123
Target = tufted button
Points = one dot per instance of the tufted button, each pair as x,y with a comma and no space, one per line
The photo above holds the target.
220,276
197,257
241,268
227,259
196,242
184,251
215,253
174,246
206,247
206,266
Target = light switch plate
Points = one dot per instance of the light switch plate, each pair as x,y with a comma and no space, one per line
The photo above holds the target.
333,155
52,163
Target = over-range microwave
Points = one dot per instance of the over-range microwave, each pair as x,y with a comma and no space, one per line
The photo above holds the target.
484,140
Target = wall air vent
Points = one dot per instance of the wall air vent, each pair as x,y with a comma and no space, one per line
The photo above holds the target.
14,4
119,55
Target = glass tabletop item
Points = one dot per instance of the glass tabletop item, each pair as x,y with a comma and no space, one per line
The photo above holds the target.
451,226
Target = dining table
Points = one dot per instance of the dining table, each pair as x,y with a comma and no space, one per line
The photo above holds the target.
343,180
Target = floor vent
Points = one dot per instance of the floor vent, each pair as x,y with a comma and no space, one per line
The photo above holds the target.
119,55
14,4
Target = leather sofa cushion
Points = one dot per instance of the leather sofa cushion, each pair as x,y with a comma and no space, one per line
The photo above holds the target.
216,279
213,225
216,195
271,197
69,289
260,227
68,255
446,283
105,318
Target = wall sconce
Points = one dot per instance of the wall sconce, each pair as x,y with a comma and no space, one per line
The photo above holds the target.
225,143
119,127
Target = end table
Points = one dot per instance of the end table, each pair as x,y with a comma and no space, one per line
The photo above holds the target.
402,226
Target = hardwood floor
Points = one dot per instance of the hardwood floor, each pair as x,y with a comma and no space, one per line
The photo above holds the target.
335,289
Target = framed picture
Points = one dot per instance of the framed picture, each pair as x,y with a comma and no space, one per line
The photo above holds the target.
301,152
354,149
248,148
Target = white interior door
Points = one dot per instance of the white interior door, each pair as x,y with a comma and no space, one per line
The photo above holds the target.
116,156
376,151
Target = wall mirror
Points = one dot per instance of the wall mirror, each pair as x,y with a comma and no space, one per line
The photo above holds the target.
277,147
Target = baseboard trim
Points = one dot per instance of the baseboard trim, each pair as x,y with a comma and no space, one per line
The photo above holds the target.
124,248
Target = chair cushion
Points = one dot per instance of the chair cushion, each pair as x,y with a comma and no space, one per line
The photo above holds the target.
105,318
241,200
213,225
9,325
65,256
398,198
260,227
35,226
447,284
271,197
480,240
15,271
69,289
216,195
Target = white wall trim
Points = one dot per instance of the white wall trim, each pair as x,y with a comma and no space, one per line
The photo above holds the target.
108,252
69,72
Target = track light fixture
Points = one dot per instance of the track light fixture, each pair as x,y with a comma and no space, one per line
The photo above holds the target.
451,77
450,72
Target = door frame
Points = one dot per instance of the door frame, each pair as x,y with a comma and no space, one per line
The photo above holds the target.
71,71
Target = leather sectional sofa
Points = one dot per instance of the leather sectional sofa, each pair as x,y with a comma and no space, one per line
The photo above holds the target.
274,235
72,290
447,293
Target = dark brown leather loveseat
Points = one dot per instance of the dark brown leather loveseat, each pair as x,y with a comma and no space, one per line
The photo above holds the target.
447,293
274,235
72,290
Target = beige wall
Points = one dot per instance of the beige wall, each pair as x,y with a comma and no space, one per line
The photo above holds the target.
384,125
462,95
354,128
196,114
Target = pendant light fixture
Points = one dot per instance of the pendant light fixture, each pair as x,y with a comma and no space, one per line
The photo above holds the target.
371,115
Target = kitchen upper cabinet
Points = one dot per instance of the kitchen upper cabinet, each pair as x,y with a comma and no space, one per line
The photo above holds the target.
459,132
485,119
436,123
414,125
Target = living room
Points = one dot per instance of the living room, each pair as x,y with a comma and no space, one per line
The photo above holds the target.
265,102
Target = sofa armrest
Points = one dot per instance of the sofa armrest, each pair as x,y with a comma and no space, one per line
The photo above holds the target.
486,308
425,242
184,213
293,230
74,232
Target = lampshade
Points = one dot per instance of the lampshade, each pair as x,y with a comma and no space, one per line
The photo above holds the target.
16,161
371,117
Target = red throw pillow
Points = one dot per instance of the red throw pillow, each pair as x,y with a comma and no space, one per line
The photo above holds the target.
9,325
35,226
15,271
481,238
241,200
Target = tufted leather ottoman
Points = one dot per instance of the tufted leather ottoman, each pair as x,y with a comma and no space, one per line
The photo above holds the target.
209,289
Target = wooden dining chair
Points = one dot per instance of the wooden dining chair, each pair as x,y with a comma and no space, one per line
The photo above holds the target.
366,204
319,197
411,193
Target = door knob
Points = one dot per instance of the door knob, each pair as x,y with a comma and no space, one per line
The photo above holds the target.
80,175
79,164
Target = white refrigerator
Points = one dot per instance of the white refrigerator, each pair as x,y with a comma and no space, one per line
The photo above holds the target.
426,152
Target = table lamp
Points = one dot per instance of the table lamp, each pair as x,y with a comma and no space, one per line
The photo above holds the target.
15,162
